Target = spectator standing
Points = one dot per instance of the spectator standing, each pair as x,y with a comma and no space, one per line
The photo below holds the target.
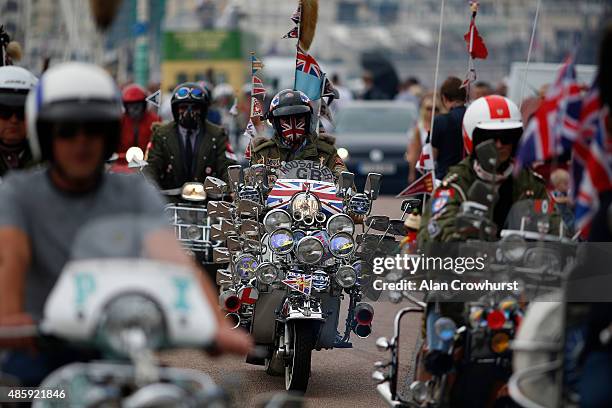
418,134
447,138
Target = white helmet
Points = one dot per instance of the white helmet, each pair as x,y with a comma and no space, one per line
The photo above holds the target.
493,112
72,92
222,90
15,83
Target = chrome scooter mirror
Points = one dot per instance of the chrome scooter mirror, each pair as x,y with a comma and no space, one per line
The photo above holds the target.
345,182
219,209
234,175
215,187
221,255
249,208
372,185
378,222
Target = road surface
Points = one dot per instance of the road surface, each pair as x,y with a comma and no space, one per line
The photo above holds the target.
339,378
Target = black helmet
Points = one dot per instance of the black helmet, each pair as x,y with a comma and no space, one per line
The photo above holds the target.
289,102
189,92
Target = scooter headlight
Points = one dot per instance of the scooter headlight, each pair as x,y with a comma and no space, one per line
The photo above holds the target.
346,276
340,223
281,241
194,232
342,245
131,321
276,219
267,273
309,250
246,266
360,204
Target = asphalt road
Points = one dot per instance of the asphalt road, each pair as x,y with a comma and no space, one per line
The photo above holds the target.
339,377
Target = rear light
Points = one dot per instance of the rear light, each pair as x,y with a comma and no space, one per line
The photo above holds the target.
496,320
229,301
500,342
364,313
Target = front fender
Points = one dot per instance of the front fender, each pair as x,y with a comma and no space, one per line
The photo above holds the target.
301,312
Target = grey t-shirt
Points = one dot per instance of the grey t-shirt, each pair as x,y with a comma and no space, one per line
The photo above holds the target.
52,218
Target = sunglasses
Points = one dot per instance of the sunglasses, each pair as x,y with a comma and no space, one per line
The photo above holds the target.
7,112
504,138
186,92
69,130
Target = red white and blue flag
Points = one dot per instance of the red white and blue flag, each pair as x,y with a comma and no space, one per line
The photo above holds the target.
294,33
297,15
298,281
551,131
284,190
307,64
596,171
258,88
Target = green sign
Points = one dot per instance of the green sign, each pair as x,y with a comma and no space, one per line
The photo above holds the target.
209,45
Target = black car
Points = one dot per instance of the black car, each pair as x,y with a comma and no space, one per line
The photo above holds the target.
372,136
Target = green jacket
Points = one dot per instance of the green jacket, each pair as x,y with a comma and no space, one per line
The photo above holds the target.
440,227
319,149
166,158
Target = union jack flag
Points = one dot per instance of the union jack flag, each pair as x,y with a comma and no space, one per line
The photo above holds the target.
297,15
285,189
256,109
294,33
258,88
300,282
250,130
552,129
596,163
306,63
256,65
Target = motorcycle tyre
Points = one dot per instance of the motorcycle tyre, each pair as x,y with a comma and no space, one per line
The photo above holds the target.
297,372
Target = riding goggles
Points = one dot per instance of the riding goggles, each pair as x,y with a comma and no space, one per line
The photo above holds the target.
186,92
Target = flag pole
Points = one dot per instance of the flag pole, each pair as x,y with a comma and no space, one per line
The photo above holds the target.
297,46
533,31
251,101
435,89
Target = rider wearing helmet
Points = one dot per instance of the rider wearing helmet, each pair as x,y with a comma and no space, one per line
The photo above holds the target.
15,83
136,121
490,117
73,124
189,148
290,114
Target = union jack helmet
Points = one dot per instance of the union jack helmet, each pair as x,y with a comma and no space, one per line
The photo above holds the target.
289,102
490,114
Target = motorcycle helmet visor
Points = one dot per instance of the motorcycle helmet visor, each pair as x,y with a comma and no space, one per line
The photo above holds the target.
187,92
291,110
89,110
505,136
11,97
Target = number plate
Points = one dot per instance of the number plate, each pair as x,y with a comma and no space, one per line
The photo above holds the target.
382,168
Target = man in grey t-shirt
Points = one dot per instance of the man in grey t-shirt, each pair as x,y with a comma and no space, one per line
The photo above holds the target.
73,124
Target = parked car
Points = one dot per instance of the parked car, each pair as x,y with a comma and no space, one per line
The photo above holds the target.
372,137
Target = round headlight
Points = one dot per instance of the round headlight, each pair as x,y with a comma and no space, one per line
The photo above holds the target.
360,204
281,241
193,232
306,204
346,276
267,273
131,321
340,223
246,265
276,219
513,248
309,250
342,245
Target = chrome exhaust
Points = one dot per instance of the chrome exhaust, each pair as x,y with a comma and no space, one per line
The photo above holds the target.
362,330
320,217
308,220
229,301
234,319
297,216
